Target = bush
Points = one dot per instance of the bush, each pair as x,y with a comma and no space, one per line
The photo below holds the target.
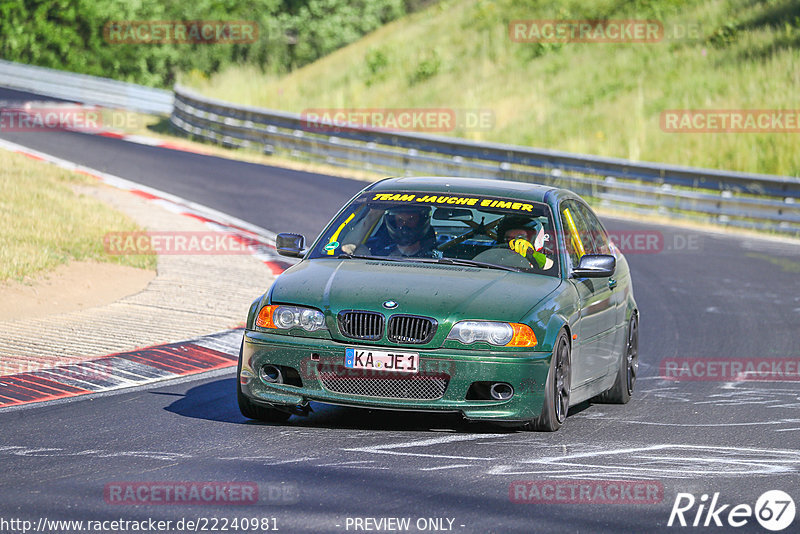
427,68
68,34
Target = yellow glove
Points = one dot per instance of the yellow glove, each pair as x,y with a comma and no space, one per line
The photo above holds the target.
520,246
524,248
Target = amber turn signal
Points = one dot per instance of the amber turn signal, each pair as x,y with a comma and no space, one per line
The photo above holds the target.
523,336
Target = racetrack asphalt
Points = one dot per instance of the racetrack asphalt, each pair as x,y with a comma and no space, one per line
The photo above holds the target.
700,295
274,198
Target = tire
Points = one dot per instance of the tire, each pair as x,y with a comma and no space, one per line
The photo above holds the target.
557,389
256,411
621,391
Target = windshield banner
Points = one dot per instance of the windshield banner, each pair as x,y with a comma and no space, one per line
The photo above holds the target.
453,200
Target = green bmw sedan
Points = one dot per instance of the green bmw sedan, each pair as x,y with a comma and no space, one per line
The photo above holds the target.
502,301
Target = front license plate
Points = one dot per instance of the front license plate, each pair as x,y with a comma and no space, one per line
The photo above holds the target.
381,360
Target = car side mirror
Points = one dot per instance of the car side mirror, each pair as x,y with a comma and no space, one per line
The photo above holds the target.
290,245
595,266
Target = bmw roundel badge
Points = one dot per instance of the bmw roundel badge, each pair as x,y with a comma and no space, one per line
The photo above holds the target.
390,304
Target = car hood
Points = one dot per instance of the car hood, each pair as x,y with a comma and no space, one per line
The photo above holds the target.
445,292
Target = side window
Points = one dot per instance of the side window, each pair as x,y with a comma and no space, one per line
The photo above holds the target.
574,234
578,235
595,230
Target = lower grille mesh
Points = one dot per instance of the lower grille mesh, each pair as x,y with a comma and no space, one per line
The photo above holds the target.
384,385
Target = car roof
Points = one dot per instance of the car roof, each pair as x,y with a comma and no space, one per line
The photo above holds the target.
475,186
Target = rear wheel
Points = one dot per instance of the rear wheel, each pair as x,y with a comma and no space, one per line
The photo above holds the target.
557,389
256,411
621,391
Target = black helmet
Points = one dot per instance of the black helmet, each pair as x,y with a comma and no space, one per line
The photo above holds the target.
404,228
511,222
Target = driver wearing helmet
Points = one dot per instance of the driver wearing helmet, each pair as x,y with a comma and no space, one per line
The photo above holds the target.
410,229
525,237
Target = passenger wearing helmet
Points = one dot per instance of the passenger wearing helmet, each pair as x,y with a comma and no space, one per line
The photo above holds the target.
526,238
410,229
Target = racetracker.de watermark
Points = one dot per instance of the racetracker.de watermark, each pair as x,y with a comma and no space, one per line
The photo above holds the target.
730,121
180,31
180,493
51,117
425,370
177,243
731,369
586,491
39,117
64,369
204,493
653,241
397,119
586,31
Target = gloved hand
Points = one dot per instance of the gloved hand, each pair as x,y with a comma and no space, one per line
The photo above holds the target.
525,248
520,246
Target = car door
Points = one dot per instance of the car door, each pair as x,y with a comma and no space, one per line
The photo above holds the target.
614,316
595,329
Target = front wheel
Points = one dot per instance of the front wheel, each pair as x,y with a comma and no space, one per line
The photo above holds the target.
621,391
255,411
557,389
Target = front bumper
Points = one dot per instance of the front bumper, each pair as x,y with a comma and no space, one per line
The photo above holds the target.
526,371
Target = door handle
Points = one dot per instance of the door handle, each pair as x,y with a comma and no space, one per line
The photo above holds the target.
612,283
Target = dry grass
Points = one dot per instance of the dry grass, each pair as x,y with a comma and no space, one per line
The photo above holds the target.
45,223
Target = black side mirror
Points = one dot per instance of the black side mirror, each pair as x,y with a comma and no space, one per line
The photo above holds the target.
290,245
595,266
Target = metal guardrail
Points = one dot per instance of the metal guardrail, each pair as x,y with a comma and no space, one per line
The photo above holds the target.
84,88
738,199
757,201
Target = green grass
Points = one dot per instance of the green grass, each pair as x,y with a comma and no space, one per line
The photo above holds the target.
592,98
45,223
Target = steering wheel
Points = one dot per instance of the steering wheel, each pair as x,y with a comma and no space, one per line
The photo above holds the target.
506,257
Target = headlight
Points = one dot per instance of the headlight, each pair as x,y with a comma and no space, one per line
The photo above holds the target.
495,333
286,317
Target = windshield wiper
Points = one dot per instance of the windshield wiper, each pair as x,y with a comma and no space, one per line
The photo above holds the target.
471,263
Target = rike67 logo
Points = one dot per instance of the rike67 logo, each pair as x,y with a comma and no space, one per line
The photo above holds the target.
774,510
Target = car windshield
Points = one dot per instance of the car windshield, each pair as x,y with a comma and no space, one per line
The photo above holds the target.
473,230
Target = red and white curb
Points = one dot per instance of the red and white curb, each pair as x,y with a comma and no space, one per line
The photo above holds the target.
152,364
260,241
123,370
149,141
